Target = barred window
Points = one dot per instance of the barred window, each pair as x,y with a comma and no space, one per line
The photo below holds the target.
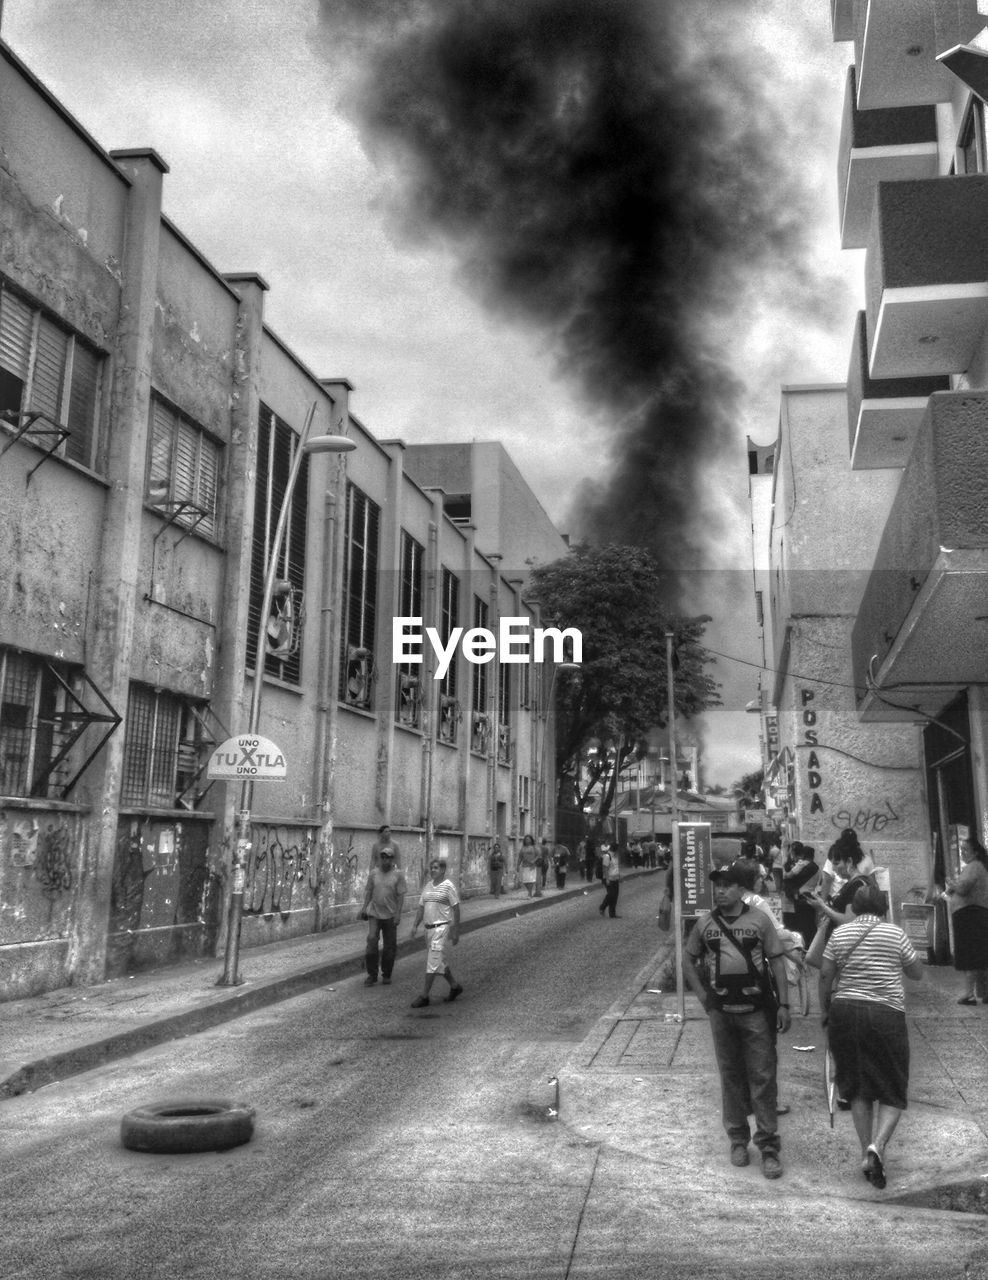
47,370
183,470
31,730
504,713
408,685
362,538
276,446
163,743
450,713
480,716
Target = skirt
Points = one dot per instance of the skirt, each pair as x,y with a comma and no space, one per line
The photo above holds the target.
970,938
870,1044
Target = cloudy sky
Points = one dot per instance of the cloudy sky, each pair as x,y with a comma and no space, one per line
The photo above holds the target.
601,231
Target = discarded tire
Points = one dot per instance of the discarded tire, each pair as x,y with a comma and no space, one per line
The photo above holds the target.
183,1127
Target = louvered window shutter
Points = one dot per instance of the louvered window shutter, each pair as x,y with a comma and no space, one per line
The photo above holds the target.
15,335
83,404
48,377
186,457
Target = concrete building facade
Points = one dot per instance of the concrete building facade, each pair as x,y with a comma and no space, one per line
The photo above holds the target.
913,186
149,423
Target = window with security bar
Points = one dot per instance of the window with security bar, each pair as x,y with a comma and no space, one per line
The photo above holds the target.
50,380
503,713
480,717
277,443
360,581
164,750
183,470
408,683
449,616
32,727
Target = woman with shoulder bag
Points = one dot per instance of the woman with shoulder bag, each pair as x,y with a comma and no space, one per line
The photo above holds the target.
862,999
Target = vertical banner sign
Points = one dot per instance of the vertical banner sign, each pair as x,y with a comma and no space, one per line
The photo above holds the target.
694,867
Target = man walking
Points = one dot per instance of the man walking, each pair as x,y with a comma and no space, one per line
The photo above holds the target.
384,898
726,967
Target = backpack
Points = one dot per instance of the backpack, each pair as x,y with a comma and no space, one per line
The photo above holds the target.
740,992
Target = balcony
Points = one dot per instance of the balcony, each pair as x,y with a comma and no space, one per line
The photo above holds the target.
883,416
926,276
896,43
921,633
842,20
879,146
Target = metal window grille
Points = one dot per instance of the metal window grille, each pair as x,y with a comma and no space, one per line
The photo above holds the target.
183,466
163,745
32,727
504,713
48,371
360,574
481,612
408,685
449,618
276,445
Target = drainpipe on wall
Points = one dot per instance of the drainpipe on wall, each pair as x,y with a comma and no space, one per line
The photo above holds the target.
430,693
493,700
330,642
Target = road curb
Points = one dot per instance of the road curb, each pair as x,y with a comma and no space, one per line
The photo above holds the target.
235,1002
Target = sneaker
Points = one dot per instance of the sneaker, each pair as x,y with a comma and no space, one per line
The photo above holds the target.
454,992
739,1155
771,1165
420,1002
967,1000
369,981
386,981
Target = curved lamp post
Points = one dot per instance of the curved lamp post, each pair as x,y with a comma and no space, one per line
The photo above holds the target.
306,445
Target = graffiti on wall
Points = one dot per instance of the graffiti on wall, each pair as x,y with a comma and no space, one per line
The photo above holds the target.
46,850
870,818
866,821
282,870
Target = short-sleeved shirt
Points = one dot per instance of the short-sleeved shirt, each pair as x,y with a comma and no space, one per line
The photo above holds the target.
387,887
612,866
706,937
437,902
873,970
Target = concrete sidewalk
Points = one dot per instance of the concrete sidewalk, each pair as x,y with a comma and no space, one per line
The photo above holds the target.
646,1083
49,1037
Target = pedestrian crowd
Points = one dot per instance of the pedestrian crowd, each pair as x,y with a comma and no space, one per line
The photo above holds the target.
775,914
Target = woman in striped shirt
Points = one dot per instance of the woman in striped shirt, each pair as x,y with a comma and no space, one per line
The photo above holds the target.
863,1000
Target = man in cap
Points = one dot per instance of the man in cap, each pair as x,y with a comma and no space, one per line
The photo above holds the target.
384,898
728,957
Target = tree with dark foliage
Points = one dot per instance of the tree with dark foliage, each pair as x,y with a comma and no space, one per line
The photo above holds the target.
615,595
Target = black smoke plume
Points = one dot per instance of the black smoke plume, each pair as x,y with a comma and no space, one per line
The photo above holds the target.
616,173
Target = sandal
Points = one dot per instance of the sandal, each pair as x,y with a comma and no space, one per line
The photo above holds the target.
874,1170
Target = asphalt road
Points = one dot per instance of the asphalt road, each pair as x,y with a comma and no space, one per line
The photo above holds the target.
380,1130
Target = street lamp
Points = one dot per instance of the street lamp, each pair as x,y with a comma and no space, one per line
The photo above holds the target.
306,445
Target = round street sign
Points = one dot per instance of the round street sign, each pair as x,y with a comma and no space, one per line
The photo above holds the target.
247,756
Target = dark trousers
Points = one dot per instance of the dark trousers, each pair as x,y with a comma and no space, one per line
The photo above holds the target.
744,1044
387,932
610,897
